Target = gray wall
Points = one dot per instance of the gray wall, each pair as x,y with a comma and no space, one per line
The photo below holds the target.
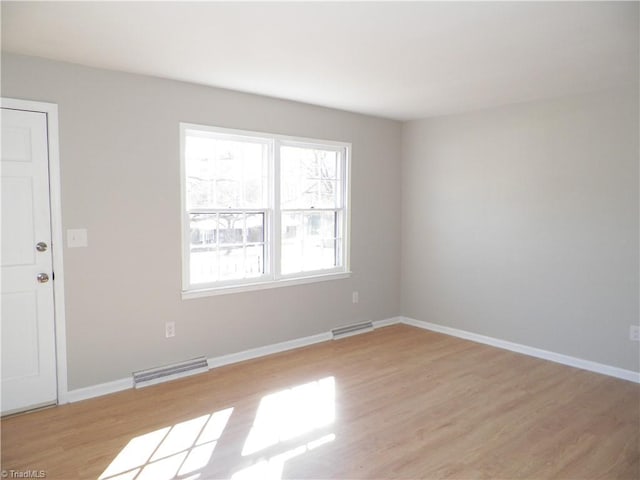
521,223
119,151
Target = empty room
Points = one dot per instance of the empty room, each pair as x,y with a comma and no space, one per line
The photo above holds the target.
321,240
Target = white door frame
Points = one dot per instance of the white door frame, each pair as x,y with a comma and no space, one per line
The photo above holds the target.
51,111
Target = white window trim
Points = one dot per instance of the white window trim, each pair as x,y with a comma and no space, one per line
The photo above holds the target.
275,279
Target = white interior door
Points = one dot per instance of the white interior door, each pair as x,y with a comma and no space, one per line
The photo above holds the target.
27,325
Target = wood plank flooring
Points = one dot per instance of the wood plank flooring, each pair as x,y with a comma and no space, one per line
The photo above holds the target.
398,402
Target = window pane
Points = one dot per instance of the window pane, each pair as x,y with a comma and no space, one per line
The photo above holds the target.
225,173
320,224
254,263
204,256
292,234
308,241
200,171
309,178
204,266
255,176
255,228
231,262
241,262
328,194
230,228
218,248
319,241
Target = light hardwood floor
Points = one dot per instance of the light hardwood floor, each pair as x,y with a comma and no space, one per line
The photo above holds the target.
395,403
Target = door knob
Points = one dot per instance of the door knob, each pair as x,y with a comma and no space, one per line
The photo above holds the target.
43,278
41,247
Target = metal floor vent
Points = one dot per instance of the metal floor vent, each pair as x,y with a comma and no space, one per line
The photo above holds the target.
351,330
152,376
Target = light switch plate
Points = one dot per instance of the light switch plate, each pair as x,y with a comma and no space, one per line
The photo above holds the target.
77,237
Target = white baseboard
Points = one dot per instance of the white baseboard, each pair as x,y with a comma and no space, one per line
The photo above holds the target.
527,350
215,362
99,390
387,321
252,353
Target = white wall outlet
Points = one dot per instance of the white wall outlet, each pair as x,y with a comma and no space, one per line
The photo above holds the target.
77,237
634,333
355,298
170,329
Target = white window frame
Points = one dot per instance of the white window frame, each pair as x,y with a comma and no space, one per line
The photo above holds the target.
272,233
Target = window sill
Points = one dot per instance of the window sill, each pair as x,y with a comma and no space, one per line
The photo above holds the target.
285,282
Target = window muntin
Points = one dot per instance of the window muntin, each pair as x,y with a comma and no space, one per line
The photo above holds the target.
259,209
226,246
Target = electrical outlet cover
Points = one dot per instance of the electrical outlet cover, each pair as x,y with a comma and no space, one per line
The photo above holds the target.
170,329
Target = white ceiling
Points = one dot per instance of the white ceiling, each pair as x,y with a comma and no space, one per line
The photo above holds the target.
391,59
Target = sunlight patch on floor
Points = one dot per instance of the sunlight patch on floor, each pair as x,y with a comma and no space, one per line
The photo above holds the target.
290,413
287,424
272,468
181,449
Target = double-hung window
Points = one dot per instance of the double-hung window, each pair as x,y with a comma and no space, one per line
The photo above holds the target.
261,210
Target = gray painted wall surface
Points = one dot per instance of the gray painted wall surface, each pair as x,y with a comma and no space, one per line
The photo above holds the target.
119,150
521,223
